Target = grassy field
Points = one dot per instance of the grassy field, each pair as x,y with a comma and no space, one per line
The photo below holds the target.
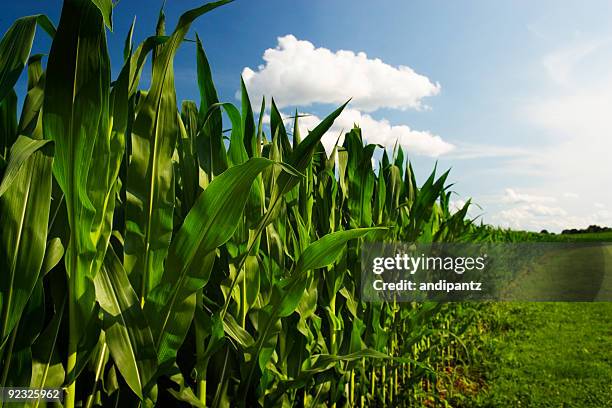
548,354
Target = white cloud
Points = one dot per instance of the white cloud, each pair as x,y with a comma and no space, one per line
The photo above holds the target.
467,151
511,196
533,217
297,73
570,110
375,131
534,213
562,62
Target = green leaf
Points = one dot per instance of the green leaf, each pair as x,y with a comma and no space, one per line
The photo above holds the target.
128,335
188,168
248,123
24,215
8,123
29,122
47,368
127,45
22,151
277,127
15,49
210,223
138,59
211,149
233,329
302,154
77,117
237,151
150,174
360,178
106,8
53,255
324,251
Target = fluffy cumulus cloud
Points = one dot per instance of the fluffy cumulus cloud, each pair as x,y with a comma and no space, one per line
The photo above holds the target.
297,73
380,132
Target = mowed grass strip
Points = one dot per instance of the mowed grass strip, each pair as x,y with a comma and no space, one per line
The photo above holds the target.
550,355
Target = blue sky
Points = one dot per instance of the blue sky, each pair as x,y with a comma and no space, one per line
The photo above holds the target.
515,96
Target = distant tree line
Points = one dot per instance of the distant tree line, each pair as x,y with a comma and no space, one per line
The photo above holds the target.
590,229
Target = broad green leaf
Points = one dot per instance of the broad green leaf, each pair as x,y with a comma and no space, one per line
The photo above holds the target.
360,178
24,215
210,223
211,149
22,151
324,251
127,332
47,368
233,329
138,59
184,393
237,152
106,8
150,174
26,332
53,255
77,117
15,49
160,31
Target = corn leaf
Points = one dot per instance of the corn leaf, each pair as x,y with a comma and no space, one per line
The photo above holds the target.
47,368
150,175
211,150
15,49
8,123
210,223
77,117
324,251
127,333
248,123
24,214
106,8
22,151
301,156
29,123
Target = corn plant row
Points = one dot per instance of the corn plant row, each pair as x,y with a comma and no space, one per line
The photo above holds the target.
151,257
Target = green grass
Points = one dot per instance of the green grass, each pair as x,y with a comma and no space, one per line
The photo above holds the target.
549,355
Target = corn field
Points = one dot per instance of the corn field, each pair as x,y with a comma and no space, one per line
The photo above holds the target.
157,254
